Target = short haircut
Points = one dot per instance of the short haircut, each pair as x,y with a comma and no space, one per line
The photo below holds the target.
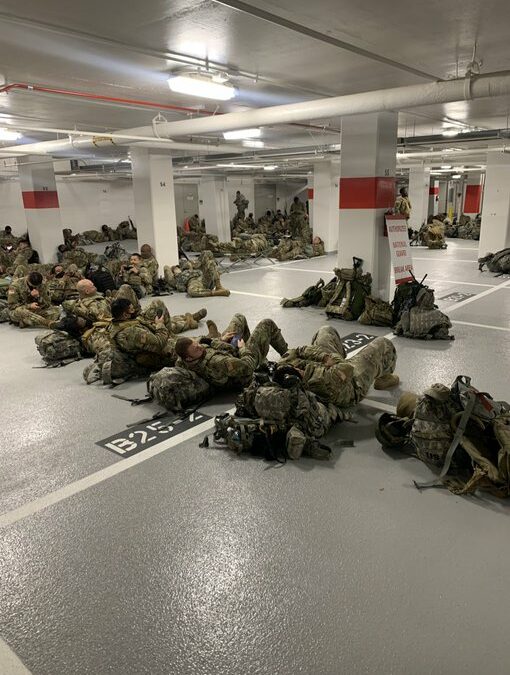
119,307
182,345
131,255
35,278
7,228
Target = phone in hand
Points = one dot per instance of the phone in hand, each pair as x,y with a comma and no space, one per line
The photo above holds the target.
235,340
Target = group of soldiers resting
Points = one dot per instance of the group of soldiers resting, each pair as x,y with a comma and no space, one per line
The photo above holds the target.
124,230
274,235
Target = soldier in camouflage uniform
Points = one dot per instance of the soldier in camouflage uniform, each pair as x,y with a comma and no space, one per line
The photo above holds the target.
92,237
23,253
149,261
29,302
137,276
330,376
403,204
148,343
208,284
125,230
226,366
90,305
288,249
241,205
77,256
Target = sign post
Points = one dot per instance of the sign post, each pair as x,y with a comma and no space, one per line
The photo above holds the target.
400,248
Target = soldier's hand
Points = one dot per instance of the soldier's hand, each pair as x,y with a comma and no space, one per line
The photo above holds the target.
34,293
226,337
241,343
159,320
33,305
328,361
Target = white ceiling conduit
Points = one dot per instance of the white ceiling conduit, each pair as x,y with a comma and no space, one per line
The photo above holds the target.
397,98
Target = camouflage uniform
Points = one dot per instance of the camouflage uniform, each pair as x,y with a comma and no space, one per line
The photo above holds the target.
241,204
77,256
19,299
152,266
92,307
221,368
346,382
94,236
288,249
209,282
22,256
125,231
402,206
141,281
150,345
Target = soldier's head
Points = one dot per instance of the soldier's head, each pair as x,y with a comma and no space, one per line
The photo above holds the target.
134,259
57,271
85,288
189,350
238,192
122,309
146,251
23,244
34,279
268,213
250,215
104,228
403,191
296,200
8,229
61,248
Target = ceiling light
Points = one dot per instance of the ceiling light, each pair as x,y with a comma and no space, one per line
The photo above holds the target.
8,135
253,144
450,132
241,133
446,166
270,167
239,166
456,175
204,85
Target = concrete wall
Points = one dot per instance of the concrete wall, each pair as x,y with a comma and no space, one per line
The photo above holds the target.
186,201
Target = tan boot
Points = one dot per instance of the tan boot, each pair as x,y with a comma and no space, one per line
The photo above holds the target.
386,381
213,330
220,292
190,321
201,314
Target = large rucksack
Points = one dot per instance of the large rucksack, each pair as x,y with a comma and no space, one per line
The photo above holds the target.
114,367
424,320
377,312
102,279
313,295
496,262
464,433
58,348
177,388
348,299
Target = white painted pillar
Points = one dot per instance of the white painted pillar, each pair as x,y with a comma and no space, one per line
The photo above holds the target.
473,194
214,206
325,203
153,190
495,231
443,196
40,200
367,190
419,186
246,186
433,208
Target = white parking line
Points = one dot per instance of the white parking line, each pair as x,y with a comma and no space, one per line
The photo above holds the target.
480,325
62,493
255,295
9,662
450,260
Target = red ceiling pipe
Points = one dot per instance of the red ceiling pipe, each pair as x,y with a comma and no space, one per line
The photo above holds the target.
6,88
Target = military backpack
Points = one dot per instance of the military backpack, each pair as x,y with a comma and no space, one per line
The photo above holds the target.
58,348
177,388
348,299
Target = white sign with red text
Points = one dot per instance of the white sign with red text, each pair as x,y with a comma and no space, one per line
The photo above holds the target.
400,248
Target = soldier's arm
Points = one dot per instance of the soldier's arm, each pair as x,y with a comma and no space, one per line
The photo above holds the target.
135,339
14,298
145,276
311,353
241,367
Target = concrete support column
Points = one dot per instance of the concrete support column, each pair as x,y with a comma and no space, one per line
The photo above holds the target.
367,190
419,187
443,196
245,185
310,199
495,232
214,207
325,203
40,199
433,208
473,194
153,189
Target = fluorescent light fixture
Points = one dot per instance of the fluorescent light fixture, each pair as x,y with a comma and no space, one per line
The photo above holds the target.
239,166
446,166
450,132
201,85
8,135
456,175
253,144
270,167
241,133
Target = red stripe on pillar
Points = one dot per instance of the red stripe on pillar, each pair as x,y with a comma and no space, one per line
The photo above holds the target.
310,193
434,191
473,199
367,193
40,199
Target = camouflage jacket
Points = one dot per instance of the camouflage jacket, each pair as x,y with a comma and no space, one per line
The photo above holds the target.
152,266
222,369
93,307
141,278
19,295
76,256
403,206
138,335
333,384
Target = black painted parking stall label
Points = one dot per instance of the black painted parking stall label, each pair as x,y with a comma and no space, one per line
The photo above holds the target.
355,341
135,439
458,296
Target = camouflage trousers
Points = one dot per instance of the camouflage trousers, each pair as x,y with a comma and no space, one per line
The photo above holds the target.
265,334
175,324
28,318
376,359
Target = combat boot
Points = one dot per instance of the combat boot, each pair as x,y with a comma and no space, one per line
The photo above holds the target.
220,292
213,330
190,321
386,381
201,314
279,344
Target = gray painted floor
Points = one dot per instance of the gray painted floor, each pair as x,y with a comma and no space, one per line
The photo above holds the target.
194,561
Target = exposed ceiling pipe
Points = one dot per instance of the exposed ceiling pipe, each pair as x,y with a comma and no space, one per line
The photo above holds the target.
452,154
24,86
394,99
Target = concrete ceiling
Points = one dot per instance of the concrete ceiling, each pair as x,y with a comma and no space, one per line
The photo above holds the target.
127,49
